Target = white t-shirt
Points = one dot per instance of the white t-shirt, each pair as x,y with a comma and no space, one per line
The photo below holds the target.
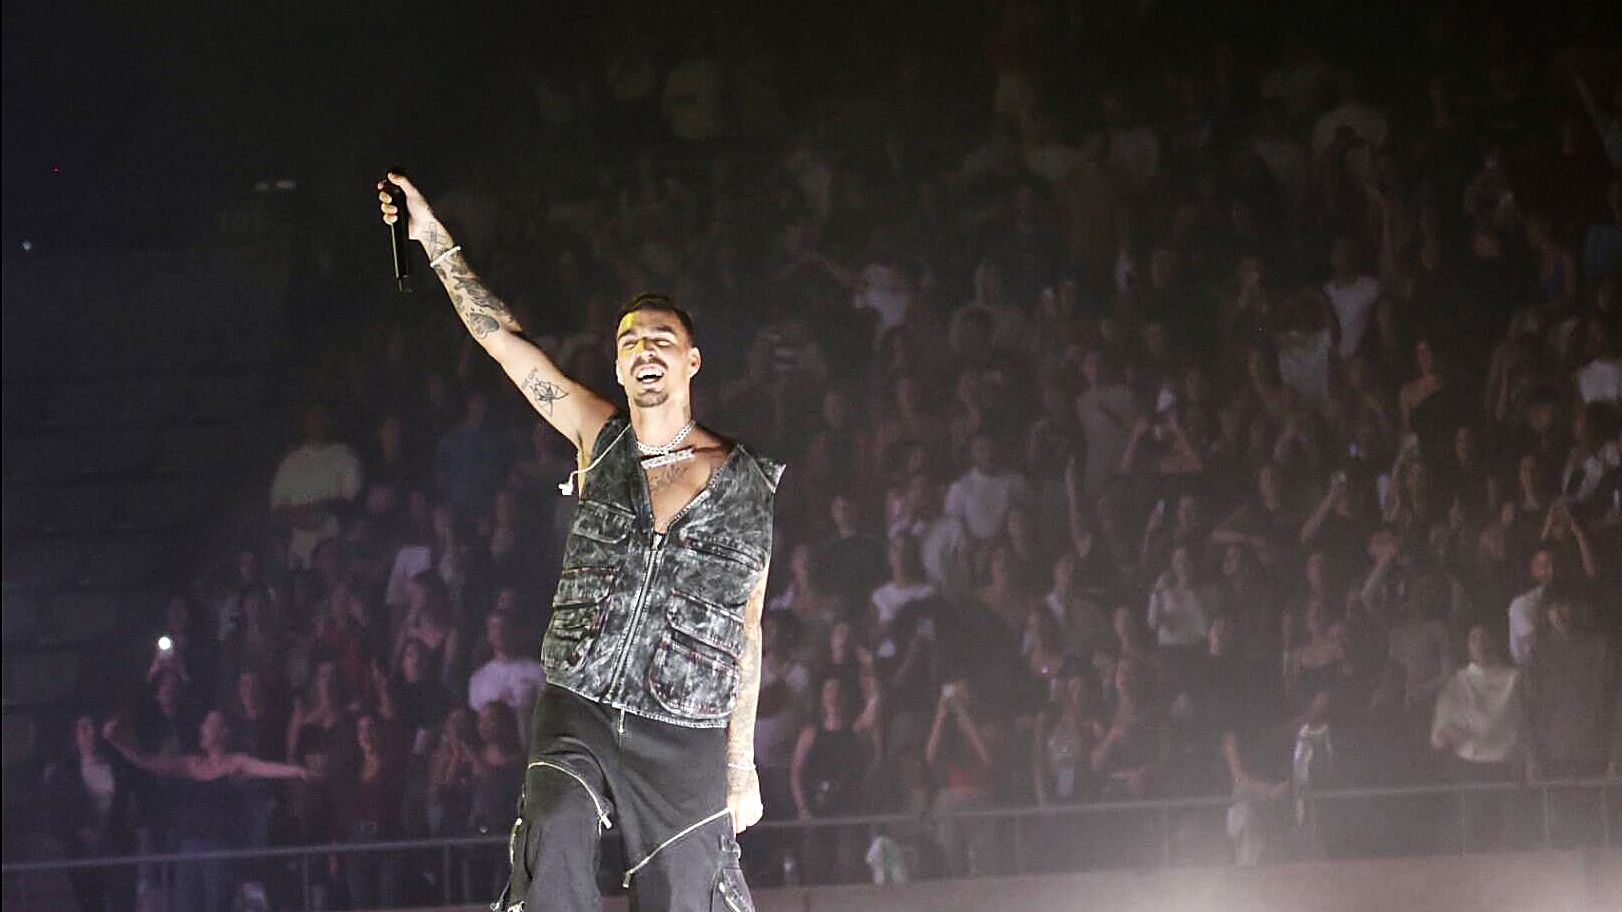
1303,365
515,682
890,598
982,501
1585,472
885,294
943,546
1178,616
97,775
312,473
1600,380
1486,704
1106,414
1524,611
1354,306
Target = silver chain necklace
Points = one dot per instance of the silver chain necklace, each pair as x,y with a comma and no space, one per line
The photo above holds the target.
667,449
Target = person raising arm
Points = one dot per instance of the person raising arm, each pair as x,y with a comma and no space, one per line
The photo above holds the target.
576,412
212,761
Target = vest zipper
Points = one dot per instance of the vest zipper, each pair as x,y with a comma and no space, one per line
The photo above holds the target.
702,495
617,685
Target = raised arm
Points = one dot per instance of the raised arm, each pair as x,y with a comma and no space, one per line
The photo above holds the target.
796,771
575,411
1320,514
1584,550
743,785
970,731
1039,760
937,732
255,768
156,764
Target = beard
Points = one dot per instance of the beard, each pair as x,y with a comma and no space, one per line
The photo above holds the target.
651,398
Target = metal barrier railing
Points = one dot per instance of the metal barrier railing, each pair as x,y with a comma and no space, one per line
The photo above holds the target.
1312,810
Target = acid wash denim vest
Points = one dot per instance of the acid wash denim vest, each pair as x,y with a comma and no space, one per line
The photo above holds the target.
652,623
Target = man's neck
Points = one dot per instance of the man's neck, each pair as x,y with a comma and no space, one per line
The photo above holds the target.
659,425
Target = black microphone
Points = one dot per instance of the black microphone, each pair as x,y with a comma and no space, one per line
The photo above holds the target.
399,244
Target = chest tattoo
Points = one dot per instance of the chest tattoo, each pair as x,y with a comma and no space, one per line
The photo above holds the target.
666,477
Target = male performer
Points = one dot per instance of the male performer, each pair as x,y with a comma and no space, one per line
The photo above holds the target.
653,654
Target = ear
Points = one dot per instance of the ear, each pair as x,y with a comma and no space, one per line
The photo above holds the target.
695,360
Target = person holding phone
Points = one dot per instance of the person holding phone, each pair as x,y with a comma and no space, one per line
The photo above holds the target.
960,753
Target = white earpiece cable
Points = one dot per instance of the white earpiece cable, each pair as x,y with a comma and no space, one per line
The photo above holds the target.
566,487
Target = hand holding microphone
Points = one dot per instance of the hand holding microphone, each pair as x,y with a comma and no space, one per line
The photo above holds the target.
419,224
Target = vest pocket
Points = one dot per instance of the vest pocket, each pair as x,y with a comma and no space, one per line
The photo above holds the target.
727,550
602,522
584,585
577,615
709,622
723,570
689,680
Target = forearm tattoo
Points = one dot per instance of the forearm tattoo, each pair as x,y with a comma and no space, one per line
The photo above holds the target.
741,727
544,393
481,311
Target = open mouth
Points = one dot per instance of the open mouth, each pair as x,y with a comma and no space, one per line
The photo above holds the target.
649,373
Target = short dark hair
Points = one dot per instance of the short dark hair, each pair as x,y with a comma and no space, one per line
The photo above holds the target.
661,303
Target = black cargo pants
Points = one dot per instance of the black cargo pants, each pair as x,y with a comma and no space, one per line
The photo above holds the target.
592,770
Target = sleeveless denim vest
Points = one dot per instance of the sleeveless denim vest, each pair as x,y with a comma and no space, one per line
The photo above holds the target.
652,623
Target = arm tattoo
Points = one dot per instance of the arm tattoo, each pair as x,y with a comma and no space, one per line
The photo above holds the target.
481,311
540,391
435,240
741,727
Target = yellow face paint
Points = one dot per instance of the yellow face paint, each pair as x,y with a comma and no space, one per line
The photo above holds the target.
626,322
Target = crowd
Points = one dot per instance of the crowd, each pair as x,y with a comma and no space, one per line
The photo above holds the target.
1215,428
